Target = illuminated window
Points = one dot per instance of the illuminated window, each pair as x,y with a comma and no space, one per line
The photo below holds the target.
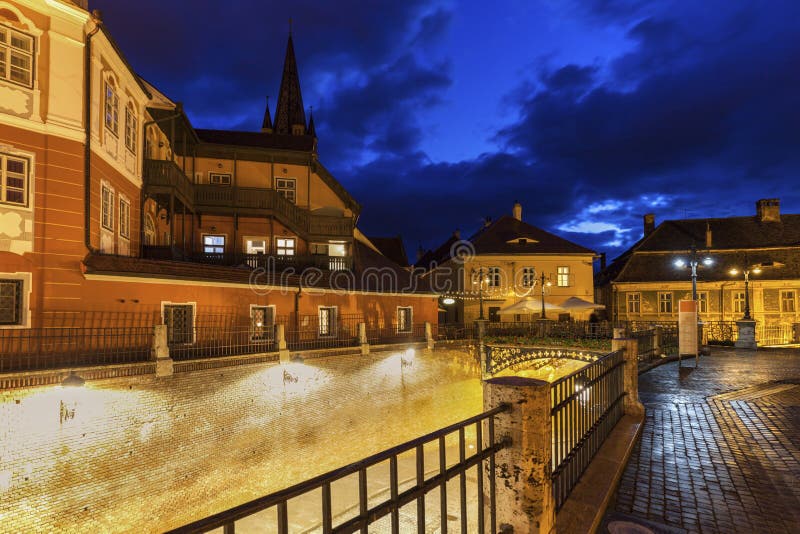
107,207
16,57
319,249
214,244
665,303
14,180
528,276
263,320
131,125
738,302
563,276
10,302
493,276
284,246
179,319
218,178
287,188
404,318
702,302
112,108
149,230
787,301
124,218
633,302
327,321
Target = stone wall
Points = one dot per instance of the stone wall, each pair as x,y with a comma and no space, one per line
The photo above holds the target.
146,454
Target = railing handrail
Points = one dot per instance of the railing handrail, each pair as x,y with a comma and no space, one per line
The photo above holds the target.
262,503
583,369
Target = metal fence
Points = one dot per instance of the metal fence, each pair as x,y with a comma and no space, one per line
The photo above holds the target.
454,331
720,332
28,349
646,342
308,333
372,508
394,333
774,334
585,406
556,329
217,341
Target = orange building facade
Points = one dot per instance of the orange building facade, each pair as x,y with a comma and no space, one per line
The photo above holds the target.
116,211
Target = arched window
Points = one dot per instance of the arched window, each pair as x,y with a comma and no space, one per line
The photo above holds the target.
112,107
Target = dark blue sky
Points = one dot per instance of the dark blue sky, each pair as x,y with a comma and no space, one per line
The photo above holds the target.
436,114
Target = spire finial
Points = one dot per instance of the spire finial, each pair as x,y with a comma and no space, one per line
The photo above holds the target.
290,26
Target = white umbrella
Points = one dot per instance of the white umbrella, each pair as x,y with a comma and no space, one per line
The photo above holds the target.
528,306
575,303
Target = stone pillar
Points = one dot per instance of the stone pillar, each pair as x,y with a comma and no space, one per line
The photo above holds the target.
481,353
747,334
160,351
630,346
429,336
524,489
658,332
280,339
362,339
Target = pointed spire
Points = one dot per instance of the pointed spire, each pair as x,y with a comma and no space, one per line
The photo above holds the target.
266,126
311,130
290,117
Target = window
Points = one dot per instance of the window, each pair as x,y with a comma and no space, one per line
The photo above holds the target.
528,276
738,302
214,244
633,302
16,57
149,230
319,249
702,302
494,314
13,180
263,320
787,301
124,218
218,178
287,188
112,108
327,321
285,246
179,319
563,276
10,302
107,207
255,246
131,125
493,276
404,319
665,303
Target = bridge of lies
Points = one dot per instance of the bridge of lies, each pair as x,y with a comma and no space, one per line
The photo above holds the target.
496,358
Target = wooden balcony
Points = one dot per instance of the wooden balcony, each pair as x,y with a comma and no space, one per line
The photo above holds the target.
270,262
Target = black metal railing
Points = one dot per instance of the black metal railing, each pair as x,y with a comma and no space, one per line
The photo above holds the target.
307,333
28,349
372,508
721,332
554,329
585,407
275,262
646,344
454,331
394,333
217,341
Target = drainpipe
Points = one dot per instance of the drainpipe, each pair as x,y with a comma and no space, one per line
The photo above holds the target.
87,118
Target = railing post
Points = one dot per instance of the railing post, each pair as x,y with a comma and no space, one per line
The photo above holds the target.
280,339
630,346
429,335
522,469
482,354
657,343
160,351
362,339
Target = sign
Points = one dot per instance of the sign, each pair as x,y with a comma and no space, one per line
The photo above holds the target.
687,328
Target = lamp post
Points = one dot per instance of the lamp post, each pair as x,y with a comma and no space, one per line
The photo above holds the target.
755,268
544,282
693,262
480,291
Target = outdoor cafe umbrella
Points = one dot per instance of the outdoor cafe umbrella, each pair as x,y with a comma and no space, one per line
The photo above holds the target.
575,303
529,306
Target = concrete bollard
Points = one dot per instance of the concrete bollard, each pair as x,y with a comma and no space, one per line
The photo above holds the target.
631,373
362,339
280,340
524,489
160,351
429,336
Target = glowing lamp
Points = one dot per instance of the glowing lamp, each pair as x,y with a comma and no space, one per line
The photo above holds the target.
756,270
734,272
707,261
448,301
680,263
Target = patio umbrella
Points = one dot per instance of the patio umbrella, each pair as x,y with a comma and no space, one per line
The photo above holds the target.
575,303
529,306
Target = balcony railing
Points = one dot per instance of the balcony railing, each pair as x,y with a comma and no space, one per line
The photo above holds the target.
168,174
268,262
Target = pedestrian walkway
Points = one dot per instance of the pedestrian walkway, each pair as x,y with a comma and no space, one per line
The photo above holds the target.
720,449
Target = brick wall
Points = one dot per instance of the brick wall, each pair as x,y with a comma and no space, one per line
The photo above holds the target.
145,454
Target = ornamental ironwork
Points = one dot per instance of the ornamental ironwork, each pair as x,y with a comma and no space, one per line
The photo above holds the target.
498,358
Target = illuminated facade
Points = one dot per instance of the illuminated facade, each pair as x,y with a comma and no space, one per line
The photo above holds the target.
115,209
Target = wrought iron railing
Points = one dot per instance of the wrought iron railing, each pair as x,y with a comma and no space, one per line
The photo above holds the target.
774,334
308,334
499,357
394,333
721,332
28,349
217,341
646,343
554,329
454,332
371,509
276,263
585,407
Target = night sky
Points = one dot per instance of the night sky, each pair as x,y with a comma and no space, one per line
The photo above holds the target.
435,115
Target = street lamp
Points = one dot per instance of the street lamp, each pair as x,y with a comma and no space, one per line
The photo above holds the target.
693,262
545,283
481,281
755,269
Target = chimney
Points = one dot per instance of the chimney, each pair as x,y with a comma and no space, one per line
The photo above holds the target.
708,235
602,261
768,210
516,211
457,233
649,223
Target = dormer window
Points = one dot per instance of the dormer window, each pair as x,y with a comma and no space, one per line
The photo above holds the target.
112,108
16,56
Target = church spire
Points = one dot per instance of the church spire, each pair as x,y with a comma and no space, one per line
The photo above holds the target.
311,130
266,126
290,117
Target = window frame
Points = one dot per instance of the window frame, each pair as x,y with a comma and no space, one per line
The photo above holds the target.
192,334
637,301
790,300
107,209
7,49
265,333
281,250
702,302
562,275
408,326
17,300
214,245
131,129
26,180
111,107
284,189
494,276
212,176
666,303
333,312
528,277
738,301
124,229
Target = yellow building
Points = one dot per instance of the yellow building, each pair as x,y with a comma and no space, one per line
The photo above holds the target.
509,261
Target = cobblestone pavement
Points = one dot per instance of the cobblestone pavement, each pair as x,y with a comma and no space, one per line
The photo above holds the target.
720,449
